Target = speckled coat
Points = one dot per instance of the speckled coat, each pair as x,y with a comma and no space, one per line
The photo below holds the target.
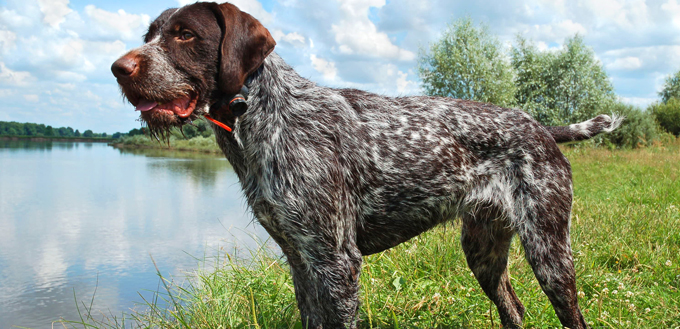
334,174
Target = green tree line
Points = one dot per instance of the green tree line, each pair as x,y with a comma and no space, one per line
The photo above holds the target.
40,130
557,87
199,127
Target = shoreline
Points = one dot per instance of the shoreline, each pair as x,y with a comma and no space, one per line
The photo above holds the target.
123,146
58,139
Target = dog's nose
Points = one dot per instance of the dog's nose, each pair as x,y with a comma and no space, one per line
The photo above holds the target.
124,67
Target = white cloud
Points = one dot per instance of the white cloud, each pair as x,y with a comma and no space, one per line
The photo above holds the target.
393,81
15,20
356,34
54,11
405,86
625,63
7,40
252,7
7,92
69,76
324,67
654,58
32,98
293,38
555,32
672,9
13,78
639,101
121,24
626,14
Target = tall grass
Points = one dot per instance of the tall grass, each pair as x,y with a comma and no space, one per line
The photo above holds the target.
625,236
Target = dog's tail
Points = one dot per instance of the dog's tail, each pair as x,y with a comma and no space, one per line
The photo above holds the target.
587,129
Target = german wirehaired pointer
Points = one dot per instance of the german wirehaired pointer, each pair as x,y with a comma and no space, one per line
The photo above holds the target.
334,174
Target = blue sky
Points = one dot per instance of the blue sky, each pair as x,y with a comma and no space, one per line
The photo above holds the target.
55,55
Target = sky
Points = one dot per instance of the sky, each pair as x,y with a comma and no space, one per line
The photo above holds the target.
55,55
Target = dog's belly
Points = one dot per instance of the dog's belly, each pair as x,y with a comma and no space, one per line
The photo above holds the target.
394,223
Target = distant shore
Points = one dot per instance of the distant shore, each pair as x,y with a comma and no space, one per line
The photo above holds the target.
58,139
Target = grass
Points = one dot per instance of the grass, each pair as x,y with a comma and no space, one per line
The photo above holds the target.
625,236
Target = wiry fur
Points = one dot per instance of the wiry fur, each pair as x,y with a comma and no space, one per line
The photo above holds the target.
334,174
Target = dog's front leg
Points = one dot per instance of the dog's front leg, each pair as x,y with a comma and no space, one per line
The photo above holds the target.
326,277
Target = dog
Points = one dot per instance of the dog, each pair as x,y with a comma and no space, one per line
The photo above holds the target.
334,174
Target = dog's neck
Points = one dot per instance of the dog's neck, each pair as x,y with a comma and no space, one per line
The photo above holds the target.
272,85
270,103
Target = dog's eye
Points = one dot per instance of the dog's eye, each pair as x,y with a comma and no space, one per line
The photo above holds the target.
186,35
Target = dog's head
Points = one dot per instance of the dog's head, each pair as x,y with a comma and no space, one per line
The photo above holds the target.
191,58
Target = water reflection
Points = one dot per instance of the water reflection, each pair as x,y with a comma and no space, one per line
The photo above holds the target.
72,214
184,163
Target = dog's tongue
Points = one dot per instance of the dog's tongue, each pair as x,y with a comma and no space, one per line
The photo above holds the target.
180,106
145,105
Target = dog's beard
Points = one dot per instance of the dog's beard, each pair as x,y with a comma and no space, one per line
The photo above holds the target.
160,124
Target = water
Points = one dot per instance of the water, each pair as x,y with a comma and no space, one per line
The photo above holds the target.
80,216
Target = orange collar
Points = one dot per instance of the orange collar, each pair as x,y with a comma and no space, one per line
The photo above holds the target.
222,125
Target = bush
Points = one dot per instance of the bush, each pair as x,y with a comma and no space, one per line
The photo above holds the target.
637,130
667,115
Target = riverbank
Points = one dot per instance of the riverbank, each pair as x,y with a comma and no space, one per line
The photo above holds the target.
58,139
625,237
196,144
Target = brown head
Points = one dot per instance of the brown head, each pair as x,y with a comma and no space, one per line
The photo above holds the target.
191,58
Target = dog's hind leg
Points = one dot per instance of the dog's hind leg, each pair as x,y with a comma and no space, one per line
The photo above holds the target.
486,241
545,237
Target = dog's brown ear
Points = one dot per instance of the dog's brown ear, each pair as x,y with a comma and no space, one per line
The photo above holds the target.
244,46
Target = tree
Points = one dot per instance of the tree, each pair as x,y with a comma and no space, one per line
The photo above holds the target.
189,131
671,88
49,131
77,133
667,114
203,127
468,63
561,87
30,129
88,133
135,132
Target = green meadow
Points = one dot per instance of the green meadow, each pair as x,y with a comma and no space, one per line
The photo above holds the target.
625,236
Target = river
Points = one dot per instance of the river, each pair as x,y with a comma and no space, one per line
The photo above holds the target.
76,218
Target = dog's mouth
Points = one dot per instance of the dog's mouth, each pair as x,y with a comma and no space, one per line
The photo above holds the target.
161,116
182,107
